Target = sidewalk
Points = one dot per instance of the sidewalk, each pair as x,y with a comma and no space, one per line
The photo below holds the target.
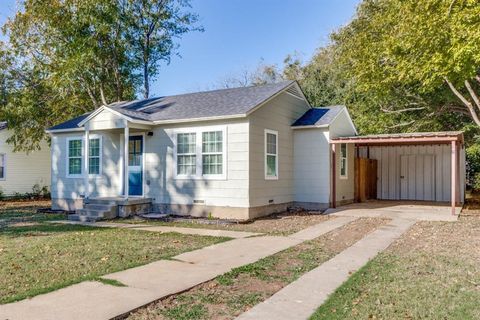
301,298
145,284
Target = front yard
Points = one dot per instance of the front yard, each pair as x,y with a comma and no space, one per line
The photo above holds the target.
230,294
432,272
38,257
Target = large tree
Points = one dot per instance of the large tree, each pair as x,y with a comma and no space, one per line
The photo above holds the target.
418,59
151,30
68,57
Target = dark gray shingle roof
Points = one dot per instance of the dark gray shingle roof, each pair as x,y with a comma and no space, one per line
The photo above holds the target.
318,116
70,124
223,102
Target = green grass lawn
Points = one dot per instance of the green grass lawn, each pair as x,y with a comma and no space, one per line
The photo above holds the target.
433,272
38,257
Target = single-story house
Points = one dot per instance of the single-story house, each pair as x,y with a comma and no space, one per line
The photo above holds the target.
235,153
21,172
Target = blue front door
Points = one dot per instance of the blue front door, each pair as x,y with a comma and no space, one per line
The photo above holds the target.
135,165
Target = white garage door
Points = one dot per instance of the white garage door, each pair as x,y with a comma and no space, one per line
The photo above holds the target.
417,177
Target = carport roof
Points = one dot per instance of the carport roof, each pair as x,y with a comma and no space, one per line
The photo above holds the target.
403,138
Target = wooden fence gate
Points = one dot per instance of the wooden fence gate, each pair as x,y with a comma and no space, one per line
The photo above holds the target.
365,179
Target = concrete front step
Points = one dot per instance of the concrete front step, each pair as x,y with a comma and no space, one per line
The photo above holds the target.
81,218
101,207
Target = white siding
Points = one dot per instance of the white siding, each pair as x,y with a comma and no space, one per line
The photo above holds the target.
311,166
105,120
343,127
389,166
22,170
162,185
107,184
278,115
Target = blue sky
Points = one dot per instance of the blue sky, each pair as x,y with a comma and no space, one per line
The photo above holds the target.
239,33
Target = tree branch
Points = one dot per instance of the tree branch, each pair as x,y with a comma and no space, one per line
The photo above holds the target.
402,110
467,103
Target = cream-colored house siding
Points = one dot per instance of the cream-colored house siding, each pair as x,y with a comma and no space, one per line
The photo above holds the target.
165,188
70,189
345,186
278,115
311,168
106,120
24,170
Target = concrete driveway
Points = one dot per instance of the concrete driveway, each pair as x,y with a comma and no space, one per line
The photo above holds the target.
415,210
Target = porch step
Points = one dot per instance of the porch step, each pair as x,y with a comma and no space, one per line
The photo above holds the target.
78,217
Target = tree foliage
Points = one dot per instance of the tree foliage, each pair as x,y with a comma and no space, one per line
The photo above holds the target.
411,56
68,57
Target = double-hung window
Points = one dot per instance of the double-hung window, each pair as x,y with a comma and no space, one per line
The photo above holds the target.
343,160
74,157
271,154
3,166
212,153
94,152
200,153
187,154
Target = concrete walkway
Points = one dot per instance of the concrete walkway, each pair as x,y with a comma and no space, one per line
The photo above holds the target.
300,299
145,284
146,227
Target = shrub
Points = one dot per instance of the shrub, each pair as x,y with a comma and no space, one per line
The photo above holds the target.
472,155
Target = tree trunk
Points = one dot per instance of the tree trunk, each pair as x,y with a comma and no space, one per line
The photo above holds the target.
146,85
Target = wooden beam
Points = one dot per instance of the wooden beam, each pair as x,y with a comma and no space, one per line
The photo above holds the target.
333,188
454,176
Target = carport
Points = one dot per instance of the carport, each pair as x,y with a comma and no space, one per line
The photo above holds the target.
425,166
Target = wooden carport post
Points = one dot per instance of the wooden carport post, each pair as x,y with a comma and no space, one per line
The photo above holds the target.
333,165
454,176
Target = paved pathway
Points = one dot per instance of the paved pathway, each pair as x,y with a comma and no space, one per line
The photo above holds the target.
147,227
300,299
144,284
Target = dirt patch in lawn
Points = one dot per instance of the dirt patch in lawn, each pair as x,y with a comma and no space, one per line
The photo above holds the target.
277,224
235,292
431,272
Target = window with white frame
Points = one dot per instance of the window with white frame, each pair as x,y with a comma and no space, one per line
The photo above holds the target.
343,160
212,153
3,166
201,153
187,154
74,157
271,154
94,156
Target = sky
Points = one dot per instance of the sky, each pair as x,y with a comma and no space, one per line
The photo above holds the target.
239,34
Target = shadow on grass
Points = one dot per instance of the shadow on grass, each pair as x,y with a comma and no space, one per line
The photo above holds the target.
44,229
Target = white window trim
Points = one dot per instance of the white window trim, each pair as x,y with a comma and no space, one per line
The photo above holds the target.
100,155
82,173
199,174
267,177
67,158
345,176
4,167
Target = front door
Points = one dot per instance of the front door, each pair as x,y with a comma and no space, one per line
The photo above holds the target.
135,166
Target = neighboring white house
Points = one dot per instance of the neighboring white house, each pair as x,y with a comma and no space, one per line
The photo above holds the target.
233,153
20,171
